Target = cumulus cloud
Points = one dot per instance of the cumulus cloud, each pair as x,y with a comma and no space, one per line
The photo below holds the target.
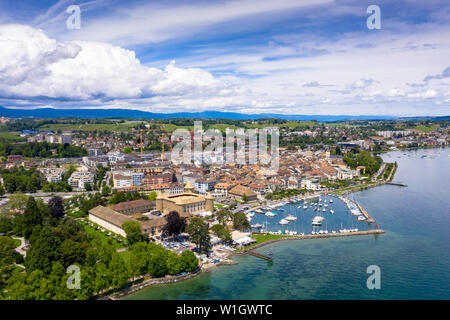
33,65
424,94
396,93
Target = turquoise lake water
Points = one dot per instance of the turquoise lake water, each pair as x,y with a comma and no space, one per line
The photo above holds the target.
414,254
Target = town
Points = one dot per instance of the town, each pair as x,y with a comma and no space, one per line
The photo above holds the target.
107,195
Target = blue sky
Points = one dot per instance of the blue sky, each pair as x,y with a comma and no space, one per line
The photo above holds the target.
284,56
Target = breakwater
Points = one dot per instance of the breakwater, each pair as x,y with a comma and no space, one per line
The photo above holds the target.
315,236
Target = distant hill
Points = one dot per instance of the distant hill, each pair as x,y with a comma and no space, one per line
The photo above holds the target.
126,113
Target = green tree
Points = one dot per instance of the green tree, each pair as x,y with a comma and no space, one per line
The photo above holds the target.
106,190
32,217
152,196
44,250
157,264
133,231
173,263
6,259
188,261
220,231
199,232
240,221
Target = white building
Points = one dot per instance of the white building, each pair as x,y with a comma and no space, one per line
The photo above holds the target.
53,174
79,180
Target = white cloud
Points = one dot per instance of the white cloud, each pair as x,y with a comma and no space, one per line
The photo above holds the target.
32,65
396,93
424,94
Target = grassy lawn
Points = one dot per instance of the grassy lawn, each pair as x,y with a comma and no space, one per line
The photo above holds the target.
260,238
103,236
168,127
126,126
11,137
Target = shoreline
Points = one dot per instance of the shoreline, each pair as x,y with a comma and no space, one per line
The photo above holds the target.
229,261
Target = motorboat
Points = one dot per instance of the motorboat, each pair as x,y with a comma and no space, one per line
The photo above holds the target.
331,211
290,218
284,221
361,218
257,226
270,214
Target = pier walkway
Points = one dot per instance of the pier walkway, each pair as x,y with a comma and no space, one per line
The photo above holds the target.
369,218
306,237
259,255
401,184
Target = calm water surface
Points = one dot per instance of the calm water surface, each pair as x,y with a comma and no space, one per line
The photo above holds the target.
414,254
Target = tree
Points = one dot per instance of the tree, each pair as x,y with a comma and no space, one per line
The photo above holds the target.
106,190
223,216
133,231
240,221
56,207
44,250
152,196
175,224
6,225
221,232
173,263
188,261
6,259
199,232
157,264
32,217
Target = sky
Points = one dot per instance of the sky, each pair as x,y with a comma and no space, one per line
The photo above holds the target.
313,57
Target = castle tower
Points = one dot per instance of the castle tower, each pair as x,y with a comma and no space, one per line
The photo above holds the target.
189,187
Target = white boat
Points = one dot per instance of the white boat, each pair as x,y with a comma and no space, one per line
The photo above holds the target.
270,214
284,221
324,210
361,218
317,221
305,207
290,218
331,211
331,200
258,225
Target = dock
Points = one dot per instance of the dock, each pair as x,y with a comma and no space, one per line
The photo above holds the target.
259,255
400,184
369,218
307,237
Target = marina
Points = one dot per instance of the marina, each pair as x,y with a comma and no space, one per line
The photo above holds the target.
316,214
